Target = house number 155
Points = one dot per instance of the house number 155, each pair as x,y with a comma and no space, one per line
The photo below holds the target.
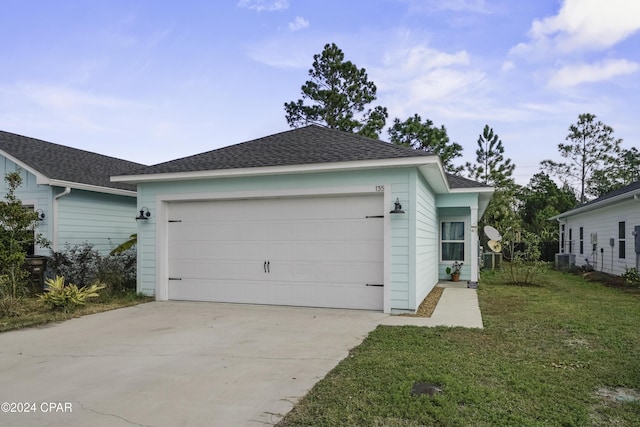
380,188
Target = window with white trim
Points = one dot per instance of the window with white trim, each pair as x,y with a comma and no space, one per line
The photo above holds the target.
452,241
581,240
621,240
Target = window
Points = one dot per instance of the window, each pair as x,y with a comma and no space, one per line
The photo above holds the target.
621,240
581,240
452,238
571,240
562,248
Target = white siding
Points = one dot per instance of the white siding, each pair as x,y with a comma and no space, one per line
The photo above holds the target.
604,222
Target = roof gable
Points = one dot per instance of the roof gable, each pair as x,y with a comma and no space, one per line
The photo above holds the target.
604,200
311,146
61,163
308,145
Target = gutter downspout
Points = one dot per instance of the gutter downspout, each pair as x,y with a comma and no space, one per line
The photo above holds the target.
66,192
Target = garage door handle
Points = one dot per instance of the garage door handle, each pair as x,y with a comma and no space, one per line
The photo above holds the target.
268,266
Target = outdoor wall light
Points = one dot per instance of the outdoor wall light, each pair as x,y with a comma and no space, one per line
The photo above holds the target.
144,214
398,208
41,215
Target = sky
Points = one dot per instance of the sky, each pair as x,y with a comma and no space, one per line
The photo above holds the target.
154,80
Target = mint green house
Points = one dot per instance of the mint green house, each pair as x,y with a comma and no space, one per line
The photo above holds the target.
308,217
72,192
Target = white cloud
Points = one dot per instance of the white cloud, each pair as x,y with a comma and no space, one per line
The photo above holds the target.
582,25
574,75
281,53
507,66
418,78
419,59
298,24
264,5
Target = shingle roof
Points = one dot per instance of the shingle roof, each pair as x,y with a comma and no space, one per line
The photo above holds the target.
302,146
620,191
593,204
456,181
63,163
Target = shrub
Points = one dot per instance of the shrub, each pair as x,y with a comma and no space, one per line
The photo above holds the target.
67,296
83,265
631,277
525,266
16,234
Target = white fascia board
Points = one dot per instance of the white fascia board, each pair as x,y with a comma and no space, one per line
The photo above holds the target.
598,205
435,176
277,170
94,188
40,178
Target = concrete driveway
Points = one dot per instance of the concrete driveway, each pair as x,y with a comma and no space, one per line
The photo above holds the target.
173,364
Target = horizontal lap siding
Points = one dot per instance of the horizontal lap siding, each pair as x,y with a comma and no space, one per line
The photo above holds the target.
401,277
604,222
103,220
426,241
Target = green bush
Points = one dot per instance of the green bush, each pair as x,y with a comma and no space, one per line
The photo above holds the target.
525,266
83,265
631,277
67,296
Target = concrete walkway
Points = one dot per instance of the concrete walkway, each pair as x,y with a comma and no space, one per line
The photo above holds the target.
458,306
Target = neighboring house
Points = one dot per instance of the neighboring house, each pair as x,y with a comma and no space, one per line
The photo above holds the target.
72,190
603,232
306,217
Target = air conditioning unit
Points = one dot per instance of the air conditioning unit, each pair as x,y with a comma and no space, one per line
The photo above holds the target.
492,260
565,261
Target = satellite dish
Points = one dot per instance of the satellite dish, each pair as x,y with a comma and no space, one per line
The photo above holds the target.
494,245
494,238
492,233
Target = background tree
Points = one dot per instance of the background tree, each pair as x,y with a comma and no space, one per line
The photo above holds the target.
623,171
542,199
591,148
420,135
337,96
491,167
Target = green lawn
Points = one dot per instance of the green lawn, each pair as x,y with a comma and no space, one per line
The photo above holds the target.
543,356
31,312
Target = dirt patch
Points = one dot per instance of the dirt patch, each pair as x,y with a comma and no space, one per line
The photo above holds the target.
428,304
618,394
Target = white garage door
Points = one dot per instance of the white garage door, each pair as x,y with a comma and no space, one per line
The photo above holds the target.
316,251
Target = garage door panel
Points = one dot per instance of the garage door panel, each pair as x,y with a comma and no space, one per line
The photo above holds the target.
217,251
227,270
321,251
327,251
310,294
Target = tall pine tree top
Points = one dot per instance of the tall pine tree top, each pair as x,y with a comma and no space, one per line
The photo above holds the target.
337,96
